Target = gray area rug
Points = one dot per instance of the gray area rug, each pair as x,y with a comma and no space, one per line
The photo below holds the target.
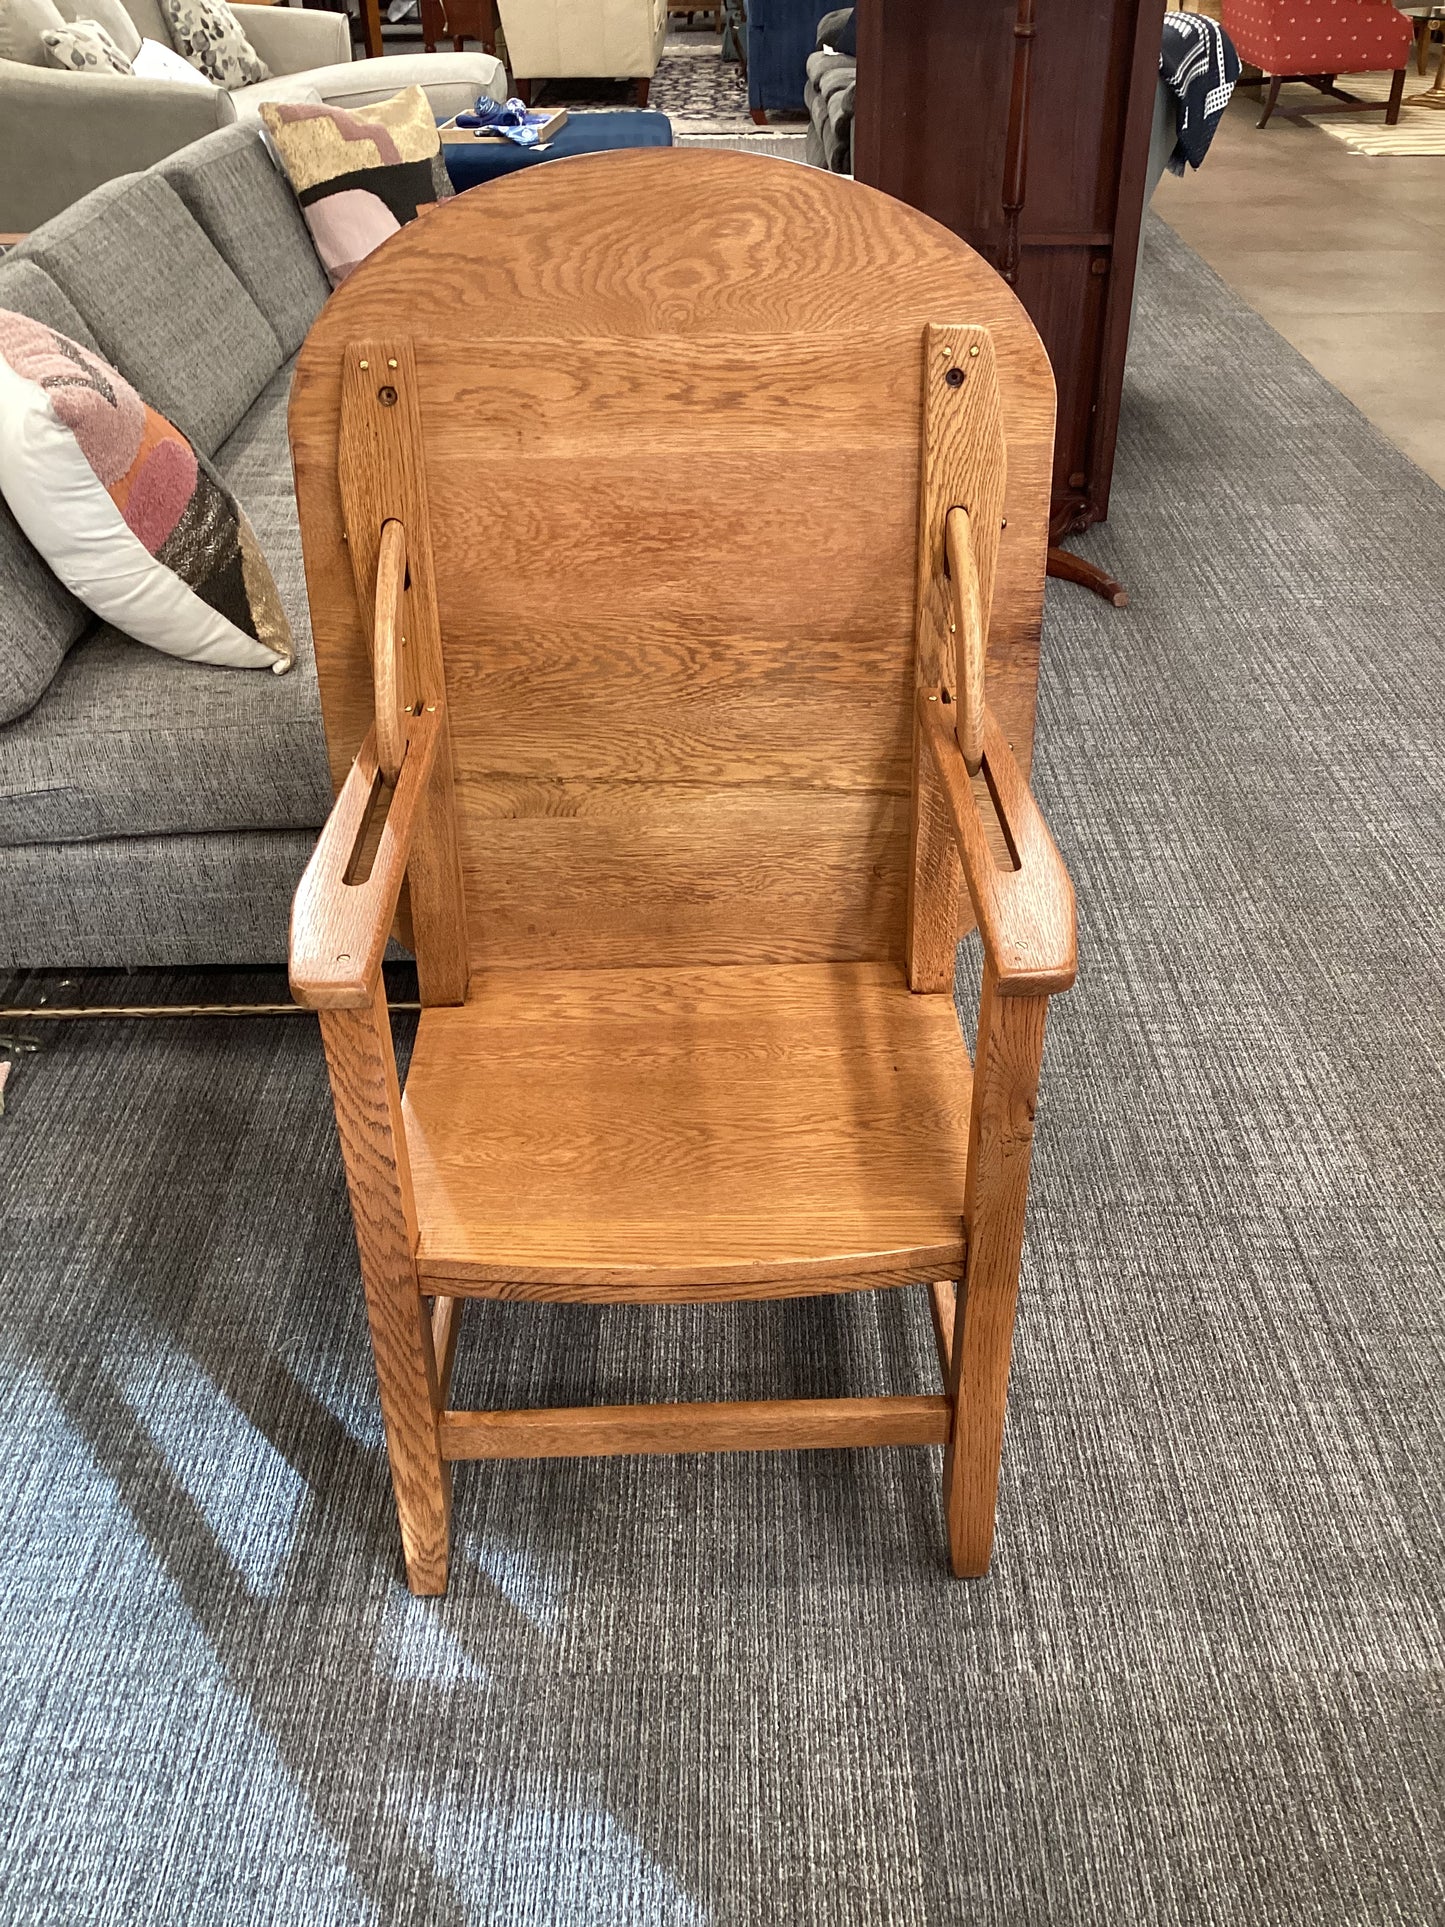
1202,1684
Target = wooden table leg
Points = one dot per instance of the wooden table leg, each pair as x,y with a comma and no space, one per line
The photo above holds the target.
371,28
1073,568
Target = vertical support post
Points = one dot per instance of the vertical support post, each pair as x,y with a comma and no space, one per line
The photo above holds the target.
362,1065
382,473
1001,1132
964,465
1016,149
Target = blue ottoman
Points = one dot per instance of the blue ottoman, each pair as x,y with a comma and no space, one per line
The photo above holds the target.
479,161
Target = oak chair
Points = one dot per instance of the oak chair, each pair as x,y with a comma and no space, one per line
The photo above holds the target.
674,527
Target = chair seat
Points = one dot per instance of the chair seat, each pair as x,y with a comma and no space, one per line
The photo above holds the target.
688,1132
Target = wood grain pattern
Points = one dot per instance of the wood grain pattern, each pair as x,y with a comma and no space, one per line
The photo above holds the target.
379,476
339,926
389,675
572,1285
970,632
446,1331
625,726
963,467
1025,915
362,1067
689,1127
764,1425
1010,1051
943,1308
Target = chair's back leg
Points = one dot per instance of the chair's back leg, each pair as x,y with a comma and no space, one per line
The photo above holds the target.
1001,1132
362,1065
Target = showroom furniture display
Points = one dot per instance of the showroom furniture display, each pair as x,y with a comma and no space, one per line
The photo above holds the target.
153,811
670,771
1045,175
62,134
1316,40
470,163
583,39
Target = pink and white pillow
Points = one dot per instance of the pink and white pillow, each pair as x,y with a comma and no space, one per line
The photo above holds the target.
131,519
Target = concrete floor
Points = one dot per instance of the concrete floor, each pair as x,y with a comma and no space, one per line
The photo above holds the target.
1343,253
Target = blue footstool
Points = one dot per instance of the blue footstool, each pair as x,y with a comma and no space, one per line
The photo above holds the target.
478,161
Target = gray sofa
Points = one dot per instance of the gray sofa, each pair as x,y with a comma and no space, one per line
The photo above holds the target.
62,134
154,811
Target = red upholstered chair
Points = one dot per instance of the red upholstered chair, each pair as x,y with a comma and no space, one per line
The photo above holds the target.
1316,40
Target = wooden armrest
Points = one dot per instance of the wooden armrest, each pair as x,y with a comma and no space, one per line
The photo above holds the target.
1025,915
339,927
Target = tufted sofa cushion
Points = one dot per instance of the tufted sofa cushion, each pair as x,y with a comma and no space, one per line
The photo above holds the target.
163,306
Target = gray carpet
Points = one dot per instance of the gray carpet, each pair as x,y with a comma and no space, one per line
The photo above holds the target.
1202,1684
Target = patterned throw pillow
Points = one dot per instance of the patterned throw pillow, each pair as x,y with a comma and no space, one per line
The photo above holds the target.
360,173
128,516
213,40
84,47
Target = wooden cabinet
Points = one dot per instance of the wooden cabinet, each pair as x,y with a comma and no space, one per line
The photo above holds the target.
1023,125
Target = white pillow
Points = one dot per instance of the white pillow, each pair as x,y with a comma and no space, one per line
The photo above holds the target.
155,62
125,512
210,36
83,47
112,16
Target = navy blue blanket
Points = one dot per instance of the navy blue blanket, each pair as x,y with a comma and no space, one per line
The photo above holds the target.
1199,66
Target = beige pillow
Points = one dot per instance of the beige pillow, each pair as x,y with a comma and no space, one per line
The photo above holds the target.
111,15
21,24
84,47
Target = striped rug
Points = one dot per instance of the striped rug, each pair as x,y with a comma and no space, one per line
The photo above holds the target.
1419,130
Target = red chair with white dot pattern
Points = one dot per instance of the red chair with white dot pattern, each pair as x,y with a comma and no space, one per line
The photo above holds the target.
1317,40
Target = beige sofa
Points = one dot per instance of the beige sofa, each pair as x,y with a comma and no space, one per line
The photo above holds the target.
61,134
570,39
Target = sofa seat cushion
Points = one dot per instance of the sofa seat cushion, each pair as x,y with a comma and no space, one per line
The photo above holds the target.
163,306
231,186
128,742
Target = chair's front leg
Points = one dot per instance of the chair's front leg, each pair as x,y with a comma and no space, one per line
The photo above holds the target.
362,1065
1001,1130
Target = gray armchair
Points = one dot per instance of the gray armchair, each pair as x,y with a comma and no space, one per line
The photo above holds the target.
62,134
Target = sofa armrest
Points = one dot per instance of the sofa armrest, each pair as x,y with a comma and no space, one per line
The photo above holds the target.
62,134
292,39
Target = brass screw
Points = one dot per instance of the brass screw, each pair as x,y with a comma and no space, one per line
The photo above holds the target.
366,364
431,709
391,364
974,351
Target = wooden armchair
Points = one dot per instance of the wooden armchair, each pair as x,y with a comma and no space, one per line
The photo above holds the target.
672,520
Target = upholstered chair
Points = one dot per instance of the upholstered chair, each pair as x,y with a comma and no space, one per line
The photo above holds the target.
569,39
1317,40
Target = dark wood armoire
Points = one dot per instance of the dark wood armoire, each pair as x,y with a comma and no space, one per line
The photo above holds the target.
1024,125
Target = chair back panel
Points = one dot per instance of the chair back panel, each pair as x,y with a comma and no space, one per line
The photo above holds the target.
670,415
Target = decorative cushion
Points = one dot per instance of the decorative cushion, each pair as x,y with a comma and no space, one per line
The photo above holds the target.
360,173
210,36
155,62
125,512
22,22
112,16
84,47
